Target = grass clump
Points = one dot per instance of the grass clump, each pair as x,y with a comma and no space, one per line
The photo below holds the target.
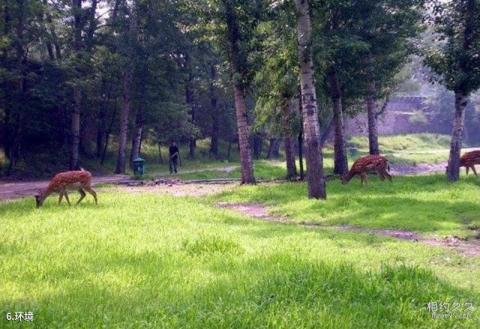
211,244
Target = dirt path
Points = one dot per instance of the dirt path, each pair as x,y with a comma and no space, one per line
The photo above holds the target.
422,168
469,247
14,190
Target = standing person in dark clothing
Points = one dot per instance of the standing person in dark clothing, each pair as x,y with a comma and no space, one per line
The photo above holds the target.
174,155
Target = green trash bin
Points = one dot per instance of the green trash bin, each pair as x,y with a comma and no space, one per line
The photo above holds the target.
138,167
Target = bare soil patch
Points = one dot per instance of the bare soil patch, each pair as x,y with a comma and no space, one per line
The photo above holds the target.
15,190
470,247
179,188
421,168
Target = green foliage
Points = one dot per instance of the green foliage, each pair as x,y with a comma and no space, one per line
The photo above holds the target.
365,41
454,57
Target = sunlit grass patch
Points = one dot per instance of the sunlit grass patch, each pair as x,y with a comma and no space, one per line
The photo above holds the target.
426,204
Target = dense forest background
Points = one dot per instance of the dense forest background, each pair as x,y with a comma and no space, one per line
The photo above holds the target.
93,83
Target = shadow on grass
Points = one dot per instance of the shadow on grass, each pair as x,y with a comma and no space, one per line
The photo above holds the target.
424,204
276,291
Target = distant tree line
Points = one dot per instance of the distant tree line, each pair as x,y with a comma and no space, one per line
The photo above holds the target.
81,77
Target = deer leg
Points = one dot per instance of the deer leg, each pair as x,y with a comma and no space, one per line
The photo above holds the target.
474,171
66,197
385,172
467,168
82,195
363,177
60,197
381,175
92,192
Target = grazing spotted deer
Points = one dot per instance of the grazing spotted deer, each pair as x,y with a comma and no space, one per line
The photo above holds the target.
368,163
80,180
469,160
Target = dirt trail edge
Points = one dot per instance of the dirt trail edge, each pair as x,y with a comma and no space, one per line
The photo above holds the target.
259,211
14,190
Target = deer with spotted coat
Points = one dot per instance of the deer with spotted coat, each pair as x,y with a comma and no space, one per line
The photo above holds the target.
368,163
469,160
79,180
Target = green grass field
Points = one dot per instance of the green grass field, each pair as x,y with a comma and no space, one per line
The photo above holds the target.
426,204
155,261
409,149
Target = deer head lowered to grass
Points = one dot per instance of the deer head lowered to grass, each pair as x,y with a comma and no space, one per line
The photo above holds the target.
80,180
368,163
469,160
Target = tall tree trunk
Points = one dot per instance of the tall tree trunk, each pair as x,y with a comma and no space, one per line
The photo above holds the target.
75,128
127,84
102,124
257,146
77,93
288,139
44,31
215,116
214,140
100,135
19,86
53,34
290,158
453,168
137,135
300,139
192,144
341,162
243,137
311,126
124,114
372,121
139,128
300,156
108,133
274,148
238,71
229,150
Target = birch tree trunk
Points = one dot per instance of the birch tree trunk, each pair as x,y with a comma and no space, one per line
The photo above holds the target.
137,135
273,148
453,168
288,139
290,158
243,137
238,72
77,93
124,114
311,126
75,128
300,156
215,119
341,161
372,121
127,84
